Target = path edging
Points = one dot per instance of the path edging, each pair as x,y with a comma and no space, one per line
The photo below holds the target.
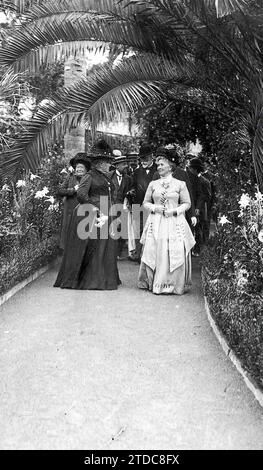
24,283
249,381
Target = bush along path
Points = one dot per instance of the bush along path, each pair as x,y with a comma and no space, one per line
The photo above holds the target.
30,215
233,281
120,369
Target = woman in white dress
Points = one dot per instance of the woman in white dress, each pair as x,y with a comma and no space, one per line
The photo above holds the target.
167,238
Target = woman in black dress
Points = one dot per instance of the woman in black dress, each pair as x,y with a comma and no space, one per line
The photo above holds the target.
90,257
68,190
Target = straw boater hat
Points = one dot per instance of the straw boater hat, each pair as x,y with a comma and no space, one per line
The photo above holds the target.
118,157
80,157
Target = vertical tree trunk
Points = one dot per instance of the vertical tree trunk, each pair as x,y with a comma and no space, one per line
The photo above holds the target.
74,140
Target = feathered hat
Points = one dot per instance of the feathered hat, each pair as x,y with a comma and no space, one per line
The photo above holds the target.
169,154
101,150
80,157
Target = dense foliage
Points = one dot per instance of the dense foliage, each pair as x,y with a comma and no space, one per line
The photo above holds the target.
30,215
204,53
232,262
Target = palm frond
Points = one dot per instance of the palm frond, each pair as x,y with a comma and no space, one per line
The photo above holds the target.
60,8
20,6
9,85
222,7
226,7
59,52
28,39
48,25
129,85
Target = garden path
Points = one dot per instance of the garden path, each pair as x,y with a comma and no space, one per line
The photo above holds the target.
118,370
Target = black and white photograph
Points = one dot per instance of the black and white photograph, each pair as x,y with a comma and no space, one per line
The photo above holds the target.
131,229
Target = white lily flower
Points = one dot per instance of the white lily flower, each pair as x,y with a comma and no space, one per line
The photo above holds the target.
64,171
6,188
224,220
53,207
51,199
244,201
45,190
20,183
259,196
33,177
39,195
71,169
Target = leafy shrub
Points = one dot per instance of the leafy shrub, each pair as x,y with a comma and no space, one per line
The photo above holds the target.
24,261
30,220
232,274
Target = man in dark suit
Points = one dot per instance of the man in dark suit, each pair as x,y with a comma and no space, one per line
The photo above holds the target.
143,175
122,184
121,180
181,175
202,198
141,178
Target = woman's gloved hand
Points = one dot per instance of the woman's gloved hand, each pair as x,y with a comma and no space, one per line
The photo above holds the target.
101,220
158,208
170,212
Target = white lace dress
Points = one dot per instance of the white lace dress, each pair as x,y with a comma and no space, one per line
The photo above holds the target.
167,241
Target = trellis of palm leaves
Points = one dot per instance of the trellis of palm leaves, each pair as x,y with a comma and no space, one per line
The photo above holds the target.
183,33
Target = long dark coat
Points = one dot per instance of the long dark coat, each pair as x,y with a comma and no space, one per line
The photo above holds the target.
69,194
195,188
205,198
90,256
122,189
140,182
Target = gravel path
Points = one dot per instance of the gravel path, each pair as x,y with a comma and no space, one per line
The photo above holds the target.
120,369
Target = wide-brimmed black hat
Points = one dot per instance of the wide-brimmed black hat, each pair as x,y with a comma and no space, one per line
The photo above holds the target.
197,164
101,150
169,154
80,157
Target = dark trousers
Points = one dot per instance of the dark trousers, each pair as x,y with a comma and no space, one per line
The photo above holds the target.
141,221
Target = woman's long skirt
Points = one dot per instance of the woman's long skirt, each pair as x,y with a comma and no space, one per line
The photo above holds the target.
88,264
161,280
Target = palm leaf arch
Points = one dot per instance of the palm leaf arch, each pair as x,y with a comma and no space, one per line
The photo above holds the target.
145,26
104,93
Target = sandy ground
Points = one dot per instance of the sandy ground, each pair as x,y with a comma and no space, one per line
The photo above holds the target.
120,369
